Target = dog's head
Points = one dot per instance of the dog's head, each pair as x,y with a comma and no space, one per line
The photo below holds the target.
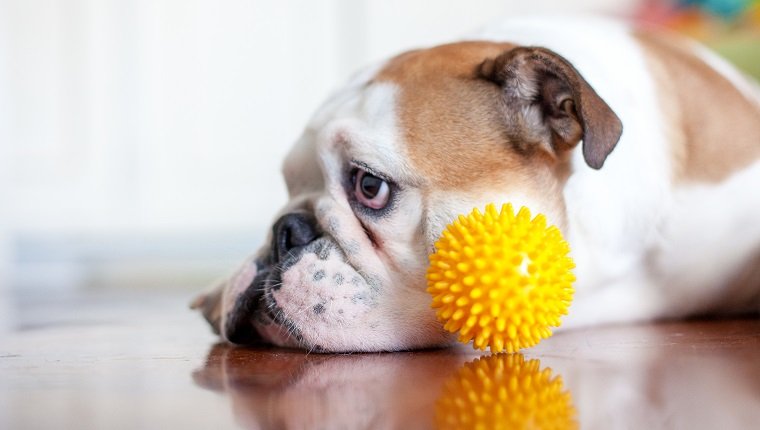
383,166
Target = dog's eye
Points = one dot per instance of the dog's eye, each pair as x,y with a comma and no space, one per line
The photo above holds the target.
370,191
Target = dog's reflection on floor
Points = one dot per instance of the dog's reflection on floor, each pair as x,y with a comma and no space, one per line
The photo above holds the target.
630,377
293,390
429,389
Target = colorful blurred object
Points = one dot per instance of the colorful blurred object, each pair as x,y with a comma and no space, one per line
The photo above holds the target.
730,27
723,8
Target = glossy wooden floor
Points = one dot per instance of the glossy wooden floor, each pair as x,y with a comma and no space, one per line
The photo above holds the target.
143,361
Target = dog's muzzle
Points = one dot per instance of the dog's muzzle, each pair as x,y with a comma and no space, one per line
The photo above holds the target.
290,234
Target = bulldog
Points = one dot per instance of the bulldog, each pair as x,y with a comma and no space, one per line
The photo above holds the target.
643,148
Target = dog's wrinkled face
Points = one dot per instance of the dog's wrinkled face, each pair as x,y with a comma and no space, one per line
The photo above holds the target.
382,168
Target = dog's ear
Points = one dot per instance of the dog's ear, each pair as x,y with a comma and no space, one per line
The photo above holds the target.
210,305
548,103
230,305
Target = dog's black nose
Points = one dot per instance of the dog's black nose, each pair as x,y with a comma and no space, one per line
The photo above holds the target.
293,231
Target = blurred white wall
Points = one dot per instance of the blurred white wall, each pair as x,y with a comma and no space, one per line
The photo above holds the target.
145,136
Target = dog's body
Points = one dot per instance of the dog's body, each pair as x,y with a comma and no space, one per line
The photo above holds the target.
667,228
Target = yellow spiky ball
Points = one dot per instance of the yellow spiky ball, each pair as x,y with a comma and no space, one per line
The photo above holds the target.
504,391
500,279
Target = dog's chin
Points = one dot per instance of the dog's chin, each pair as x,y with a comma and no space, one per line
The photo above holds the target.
275,334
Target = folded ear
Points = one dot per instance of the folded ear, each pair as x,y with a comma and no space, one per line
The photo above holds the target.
210,305
548,103
229,305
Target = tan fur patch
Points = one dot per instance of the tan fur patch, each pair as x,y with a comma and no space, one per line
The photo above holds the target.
454,129
713,127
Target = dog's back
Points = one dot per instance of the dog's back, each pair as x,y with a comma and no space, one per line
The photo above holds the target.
669,226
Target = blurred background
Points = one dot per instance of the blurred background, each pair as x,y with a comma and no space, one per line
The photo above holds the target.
140,141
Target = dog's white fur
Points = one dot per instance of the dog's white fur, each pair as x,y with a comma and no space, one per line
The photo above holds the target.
646,246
